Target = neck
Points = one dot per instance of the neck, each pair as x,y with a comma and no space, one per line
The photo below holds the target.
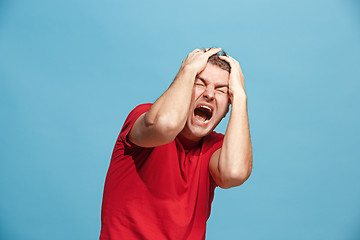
185,133
187,144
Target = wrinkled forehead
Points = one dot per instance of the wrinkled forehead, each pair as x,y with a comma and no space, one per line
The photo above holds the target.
213,74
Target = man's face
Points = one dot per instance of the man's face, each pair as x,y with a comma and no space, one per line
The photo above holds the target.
209,102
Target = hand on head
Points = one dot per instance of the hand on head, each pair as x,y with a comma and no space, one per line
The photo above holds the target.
197,59
236,79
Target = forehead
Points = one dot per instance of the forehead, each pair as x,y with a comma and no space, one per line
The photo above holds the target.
213,74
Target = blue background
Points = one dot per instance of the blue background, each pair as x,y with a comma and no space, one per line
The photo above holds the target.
70,71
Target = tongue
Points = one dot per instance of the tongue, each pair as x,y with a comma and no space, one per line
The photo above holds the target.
200,114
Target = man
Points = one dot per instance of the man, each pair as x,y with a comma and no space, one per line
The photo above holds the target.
167,160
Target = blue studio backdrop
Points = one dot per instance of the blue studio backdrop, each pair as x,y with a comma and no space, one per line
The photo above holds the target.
70,72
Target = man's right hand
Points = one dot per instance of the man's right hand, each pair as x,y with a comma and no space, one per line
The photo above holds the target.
196,60
168,115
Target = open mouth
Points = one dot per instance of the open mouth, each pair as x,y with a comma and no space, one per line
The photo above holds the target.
203,113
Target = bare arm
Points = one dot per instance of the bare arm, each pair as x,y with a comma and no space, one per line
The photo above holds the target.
167,116
231,165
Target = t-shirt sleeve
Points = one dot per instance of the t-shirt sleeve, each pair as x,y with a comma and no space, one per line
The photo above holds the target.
129,122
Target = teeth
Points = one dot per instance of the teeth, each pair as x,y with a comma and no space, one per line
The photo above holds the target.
206,107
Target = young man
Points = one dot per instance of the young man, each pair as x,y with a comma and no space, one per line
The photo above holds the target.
167,160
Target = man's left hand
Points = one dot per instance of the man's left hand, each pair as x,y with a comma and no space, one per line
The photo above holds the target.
236,80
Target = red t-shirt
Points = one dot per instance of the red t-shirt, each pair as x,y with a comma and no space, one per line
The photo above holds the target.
158,193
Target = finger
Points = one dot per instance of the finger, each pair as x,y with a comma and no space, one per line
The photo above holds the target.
212,51
194,51
235,61
228,60
205,49
232,61
237,64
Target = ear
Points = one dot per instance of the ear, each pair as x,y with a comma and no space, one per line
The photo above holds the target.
227,110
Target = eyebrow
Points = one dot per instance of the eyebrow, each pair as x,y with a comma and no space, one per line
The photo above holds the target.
217,86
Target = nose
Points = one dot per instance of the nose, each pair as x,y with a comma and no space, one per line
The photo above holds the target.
209,93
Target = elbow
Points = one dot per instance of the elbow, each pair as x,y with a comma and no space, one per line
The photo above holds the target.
234,179
169,127
164,126
235,176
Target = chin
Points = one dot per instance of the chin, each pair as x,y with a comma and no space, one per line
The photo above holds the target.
198,132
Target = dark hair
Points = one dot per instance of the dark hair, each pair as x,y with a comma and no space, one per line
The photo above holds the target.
215,60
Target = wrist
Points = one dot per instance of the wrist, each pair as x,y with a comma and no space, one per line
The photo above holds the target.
188,70
238,97
185,74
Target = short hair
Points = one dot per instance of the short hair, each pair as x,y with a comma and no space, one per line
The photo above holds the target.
215,60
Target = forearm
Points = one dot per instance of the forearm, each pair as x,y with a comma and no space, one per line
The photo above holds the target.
235,162
170,110
167,116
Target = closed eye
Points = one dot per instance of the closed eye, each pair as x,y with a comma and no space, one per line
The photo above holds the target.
222,90
198,82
